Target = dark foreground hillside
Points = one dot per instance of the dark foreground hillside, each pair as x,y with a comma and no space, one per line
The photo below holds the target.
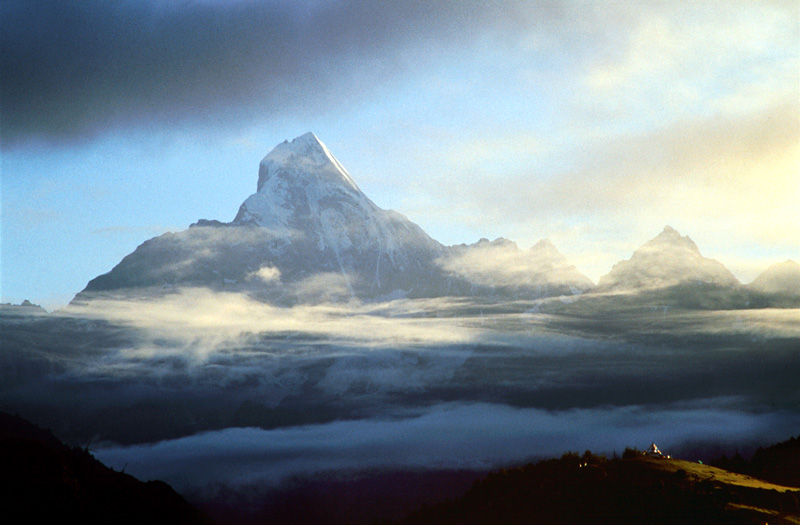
590,489
44,481
779,463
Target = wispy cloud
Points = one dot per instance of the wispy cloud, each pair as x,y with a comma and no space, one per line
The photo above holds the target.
191,314
501,263
267,274
194,360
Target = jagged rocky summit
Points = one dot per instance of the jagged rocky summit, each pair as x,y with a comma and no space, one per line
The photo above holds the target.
309,233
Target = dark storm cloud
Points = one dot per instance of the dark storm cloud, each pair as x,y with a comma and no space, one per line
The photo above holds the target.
74,69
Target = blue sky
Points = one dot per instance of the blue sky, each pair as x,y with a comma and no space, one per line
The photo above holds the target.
593,124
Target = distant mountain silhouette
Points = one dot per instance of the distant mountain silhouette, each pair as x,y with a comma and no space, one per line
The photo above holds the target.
667,260
666,272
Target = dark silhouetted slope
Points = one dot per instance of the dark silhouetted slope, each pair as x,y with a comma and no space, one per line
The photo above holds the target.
779,463
44,481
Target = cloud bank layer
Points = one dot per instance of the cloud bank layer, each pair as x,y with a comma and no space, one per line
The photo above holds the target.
195,360
452,436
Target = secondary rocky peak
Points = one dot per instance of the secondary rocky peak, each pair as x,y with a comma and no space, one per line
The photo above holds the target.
500,268
666,260
780,278
499,242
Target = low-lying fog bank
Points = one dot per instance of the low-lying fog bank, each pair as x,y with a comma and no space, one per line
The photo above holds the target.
442,437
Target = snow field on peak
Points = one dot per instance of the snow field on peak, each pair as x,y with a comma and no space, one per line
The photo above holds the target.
309,156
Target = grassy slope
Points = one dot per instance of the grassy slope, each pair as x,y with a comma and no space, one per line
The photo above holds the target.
707,472
590,489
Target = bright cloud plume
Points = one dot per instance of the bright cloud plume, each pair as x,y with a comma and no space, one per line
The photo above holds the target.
501,263
267,274
192,313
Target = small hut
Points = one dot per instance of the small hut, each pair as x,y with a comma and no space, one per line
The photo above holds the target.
653,452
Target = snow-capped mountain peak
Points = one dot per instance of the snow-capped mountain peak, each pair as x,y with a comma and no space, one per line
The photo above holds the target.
307,223
306,154
297,181
307,200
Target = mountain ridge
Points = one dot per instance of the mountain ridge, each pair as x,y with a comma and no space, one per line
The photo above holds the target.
308,220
